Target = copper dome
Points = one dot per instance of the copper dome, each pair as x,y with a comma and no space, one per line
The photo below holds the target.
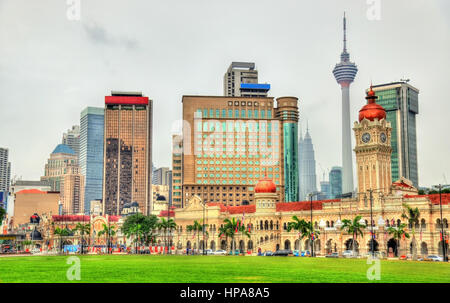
265,185
371,110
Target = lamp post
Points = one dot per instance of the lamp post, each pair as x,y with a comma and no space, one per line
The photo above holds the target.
371,222
203,228
444,248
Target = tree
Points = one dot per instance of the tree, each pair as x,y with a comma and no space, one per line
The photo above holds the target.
62,232
304,228
231,228
353,228
398,232
148,226
136,230
167,226
2,214
109,232
82,229
196,228
412,215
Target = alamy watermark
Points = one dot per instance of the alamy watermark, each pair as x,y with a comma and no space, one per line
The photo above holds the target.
374,271
74,271
73,12
373,12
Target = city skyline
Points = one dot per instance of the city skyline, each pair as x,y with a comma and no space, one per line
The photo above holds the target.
315,87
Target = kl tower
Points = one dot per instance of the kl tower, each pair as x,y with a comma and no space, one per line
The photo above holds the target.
345,72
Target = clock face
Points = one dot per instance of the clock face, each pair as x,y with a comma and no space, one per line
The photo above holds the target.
383,137
365,137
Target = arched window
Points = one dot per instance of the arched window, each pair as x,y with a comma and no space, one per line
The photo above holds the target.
438,223
445,223
328,223
266,225
271,225
332,223
399,222
261,225
284,226
423,225
278,227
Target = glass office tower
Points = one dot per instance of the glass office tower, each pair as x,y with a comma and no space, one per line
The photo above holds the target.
287,112
400,100
335,178
91,153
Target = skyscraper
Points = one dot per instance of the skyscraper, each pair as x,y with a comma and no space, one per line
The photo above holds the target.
335,178
307,164
177,156
5,176
91,153
127,169
325,190
345,72
161,176
241,80
400,100
72,139
229,143
62,173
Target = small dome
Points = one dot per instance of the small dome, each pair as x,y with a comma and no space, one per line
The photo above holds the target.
161,198
134,204
127,205
265,185
372,110
63,149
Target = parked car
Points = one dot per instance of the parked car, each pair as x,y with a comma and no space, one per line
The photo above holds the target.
208,251
377,254
349,254
305,253
219,252
435,258
282,252
268,253
332,255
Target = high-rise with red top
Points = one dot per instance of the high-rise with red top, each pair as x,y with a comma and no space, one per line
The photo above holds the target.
345,72
127,153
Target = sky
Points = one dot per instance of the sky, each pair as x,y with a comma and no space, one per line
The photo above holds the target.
52,66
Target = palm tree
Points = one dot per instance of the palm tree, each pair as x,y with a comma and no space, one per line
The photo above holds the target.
232,227
137,230
353,228
82,229
167,226
223,231
303,228
109,232
398,232
197,227
61,232
412,215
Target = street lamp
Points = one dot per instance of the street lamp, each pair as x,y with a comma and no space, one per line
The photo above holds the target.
203,227
444,248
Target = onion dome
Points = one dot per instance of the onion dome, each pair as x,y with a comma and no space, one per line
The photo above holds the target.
161,198
127,205
265,185
134,204
372,110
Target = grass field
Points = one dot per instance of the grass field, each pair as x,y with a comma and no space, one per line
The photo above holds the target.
215,269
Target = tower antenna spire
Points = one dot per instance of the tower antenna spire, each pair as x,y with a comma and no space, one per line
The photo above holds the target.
345,34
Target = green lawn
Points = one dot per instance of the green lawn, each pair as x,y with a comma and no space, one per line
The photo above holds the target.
146,268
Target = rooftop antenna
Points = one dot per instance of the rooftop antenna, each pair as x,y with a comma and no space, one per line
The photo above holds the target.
405,80
345,34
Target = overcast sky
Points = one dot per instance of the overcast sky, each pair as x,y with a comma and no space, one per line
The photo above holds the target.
51,68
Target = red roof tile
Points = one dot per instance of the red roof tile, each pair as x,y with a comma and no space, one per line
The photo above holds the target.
434,198
31,191
303,205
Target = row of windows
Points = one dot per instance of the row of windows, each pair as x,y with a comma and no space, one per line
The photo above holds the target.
231,143
237,126
231,182
236,156
234,175
243,113
250,169
237,162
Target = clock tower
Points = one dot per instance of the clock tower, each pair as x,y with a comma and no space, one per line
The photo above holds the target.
373,148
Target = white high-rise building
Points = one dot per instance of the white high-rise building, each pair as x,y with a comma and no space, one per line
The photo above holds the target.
345,72
241,80
307,166
5,176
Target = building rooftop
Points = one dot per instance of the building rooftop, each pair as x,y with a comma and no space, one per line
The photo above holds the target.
63,149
